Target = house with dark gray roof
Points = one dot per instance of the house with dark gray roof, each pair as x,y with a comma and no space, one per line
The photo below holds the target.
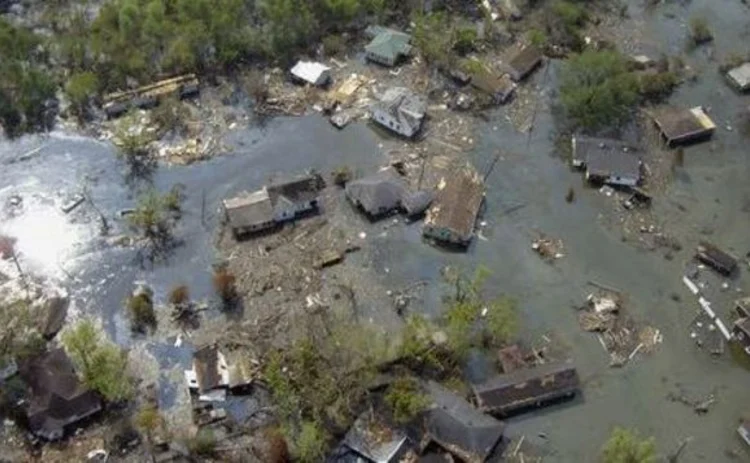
371,441
385,192
400,110
388,46
272,205
527,387
457,427
58,399
607,161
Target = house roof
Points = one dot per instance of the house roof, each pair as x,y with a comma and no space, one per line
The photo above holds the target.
57,395
505,390
309,71
457,204
716,257
389,44
743,324
206,364
459,427
377,193
401,99
740,76
417,202
522,60
249,209
683,123
493,84
605,157
299,190
373,441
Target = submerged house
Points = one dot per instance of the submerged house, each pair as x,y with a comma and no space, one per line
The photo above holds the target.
312,73
452,217
58,399
458,428
272,205
520,389
715,258
607,161
388,46
400,110
498,88
680,126
384,192
521,61
740,77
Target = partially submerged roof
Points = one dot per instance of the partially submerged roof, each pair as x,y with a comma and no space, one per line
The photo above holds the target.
417,202
492,84
457,205
716,258
683,124
298,190
605,163
528,384
249,209
206,364
57,395
310,71
740,76
401,99
460,428
584,146
389,44
522,60
743,324
378,193
374,441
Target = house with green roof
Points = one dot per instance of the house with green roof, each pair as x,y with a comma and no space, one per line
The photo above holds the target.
388,46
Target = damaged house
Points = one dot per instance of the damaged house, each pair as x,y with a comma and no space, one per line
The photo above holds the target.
679,126
309,72
520,389
453,214
211,376
499,89
370,441
384,192
400,110
607,161
522,61
458,428
388,46
58,400
740,77
272,205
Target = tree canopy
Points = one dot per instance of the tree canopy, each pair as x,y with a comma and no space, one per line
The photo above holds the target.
597,88
100,363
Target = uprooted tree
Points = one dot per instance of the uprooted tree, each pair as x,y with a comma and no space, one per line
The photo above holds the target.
100,364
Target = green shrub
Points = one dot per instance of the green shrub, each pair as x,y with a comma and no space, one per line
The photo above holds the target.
625,446
537,38
312,442
142,315
597,89
80,88
203,444
700,33
655,87
334,45
405,399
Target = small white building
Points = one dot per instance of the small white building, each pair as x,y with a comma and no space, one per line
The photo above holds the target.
312,73
740,77
209,376
400,111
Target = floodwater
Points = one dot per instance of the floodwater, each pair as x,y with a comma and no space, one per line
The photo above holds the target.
707,199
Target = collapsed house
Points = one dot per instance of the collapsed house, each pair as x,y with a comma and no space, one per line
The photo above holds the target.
715,258
58,399
452,217
741,327
499,89
457,427
384,192
211,376
388,46
607,161
309,72
149,96
740,77
524,388
744,431
400,110
679,126
521,61
272,205
371,441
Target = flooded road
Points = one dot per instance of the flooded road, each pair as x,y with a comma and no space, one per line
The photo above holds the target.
526,194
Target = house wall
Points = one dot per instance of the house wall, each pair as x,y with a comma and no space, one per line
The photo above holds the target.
291,211
444,234
391,123
380,59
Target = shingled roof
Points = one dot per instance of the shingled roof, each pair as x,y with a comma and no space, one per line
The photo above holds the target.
457,205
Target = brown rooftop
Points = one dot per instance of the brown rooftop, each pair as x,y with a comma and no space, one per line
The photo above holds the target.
457,204
522,60
680,125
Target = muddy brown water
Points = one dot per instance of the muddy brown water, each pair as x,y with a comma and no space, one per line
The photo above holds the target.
526,193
